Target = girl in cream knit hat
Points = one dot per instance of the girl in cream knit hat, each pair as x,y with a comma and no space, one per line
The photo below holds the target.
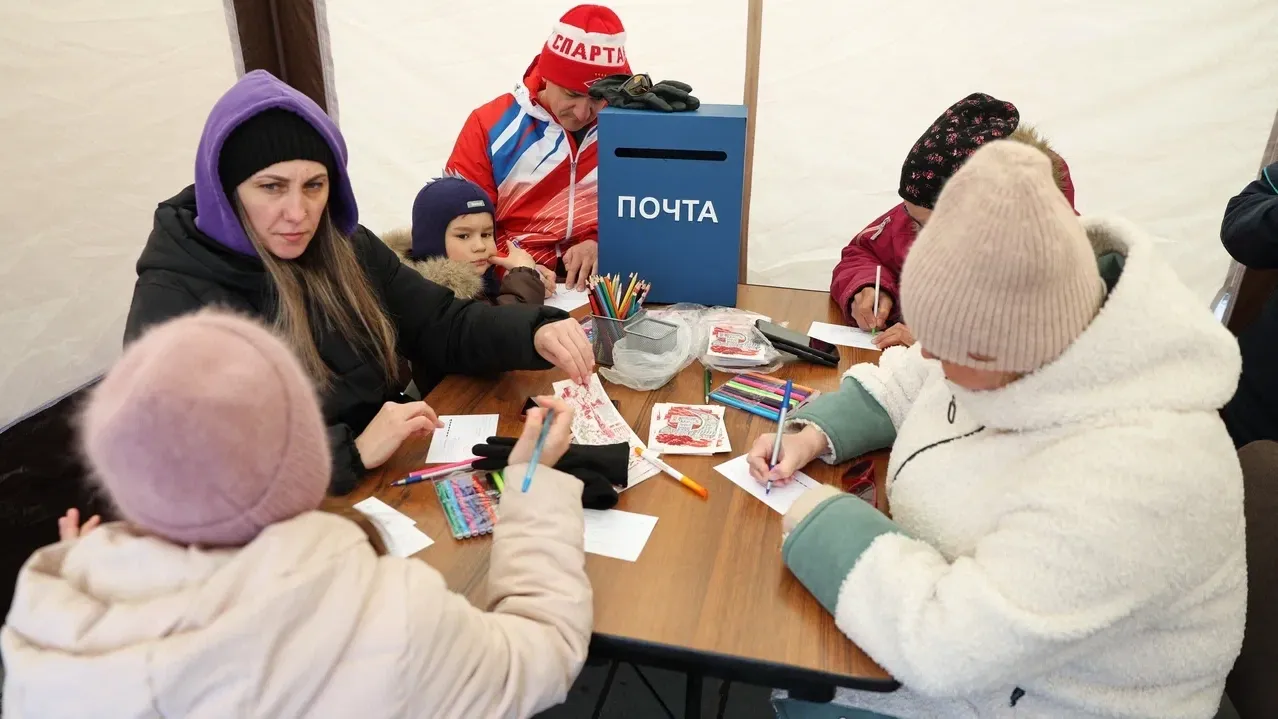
1066,537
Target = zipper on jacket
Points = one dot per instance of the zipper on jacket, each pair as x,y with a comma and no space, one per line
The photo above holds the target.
572,196
951,413
933,445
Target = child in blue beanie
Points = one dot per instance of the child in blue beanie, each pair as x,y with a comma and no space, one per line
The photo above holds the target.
452,244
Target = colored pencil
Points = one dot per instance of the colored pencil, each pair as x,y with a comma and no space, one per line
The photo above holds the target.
776,445
536,453
707,386
422,475
612,306
630,288
878,275
499,481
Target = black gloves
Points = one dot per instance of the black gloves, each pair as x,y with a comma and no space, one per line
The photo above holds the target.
598,467
636,92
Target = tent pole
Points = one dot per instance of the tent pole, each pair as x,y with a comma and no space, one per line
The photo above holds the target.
754,39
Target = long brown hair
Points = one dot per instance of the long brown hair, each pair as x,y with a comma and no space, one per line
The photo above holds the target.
326,288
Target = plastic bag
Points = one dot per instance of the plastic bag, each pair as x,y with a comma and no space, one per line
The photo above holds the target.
733,343
645,371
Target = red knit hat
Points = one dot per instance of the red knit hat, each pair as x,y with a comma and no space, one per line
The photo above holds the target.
586,44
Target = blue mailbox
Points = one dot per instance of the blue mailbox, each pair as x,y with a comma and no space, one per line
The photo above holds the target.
670,193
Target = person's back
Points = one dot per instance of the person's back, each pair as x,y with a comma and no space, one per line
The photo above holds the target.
226,594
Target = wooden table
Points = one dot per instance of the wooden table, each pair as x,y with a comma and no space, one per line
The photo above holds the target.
710,594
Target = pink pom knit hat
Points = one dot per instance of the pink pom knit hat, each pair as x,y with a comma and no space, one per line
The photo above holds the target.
206,431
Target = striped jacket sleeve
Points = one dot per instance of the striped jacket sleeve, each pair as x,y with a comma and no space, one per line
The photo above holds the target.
470,158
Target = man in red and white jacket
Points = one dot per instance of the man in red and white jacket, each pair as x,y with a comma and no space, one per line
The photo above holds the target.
534,150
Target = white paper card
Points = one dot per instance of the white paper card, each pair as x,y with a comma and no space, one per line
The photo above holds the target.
842,335
405,541
566,299
398,530
459,434
617,534
782,496
379,511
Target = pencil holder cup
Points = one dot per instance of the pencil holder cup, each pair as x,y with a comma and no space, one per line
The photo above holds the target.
643,333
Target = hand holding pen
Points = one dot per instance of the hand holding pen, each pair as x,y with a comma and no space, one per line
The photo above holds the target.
546,436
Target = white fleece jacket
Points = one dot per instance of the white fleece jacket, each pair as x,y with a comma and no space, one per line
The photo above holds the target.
1070,545
304,621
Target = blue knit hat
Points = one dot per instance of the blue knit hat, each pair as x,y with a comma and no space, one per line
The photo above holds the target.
439,203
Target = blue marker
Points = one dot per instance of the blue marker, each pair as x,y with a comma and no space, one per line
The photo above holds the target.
536,453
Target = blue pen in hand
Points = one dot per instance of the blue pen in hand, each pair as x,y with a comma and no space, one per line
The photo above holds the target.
776,444
536,453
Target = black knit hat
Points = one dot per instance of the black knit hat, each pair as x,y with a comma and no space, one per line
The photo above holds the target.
952,138
271,136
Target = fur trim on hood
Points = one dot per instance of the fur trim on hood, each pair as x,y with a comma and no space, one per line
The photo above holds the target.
444,272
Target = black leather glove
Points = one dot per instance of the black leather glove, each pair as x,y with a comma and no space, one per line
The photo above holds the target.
636,92
600,468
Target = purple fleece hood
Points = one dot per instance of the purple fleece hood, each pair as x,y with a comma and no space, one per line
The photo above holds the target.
257,91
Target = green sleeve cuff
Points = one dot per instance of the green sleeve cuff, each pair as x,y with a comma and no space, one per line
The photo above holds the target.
852,419
827,544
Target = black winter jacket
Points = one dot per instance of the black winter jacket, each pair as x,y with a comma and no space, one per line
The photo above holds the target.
182,270
1250,234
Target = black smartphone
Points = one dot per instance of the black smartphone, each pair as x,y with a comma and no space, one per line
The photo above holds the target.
799,344
530,404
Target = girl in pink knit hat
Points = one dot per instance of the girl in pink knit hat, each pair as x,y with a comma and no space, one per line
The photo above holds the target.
224,593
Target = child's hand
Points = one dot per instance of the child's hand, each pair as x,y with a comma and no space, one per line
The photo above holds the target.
547,279
897,334
862,309
557,440
69,526
515,257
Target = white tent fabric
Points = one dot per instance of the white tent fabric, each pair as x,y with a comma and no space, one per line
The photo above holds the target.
1162,113
408,73
1161,110
102,109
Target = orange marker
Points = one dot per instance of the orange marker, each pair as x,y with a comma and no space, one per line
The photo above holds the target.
684,479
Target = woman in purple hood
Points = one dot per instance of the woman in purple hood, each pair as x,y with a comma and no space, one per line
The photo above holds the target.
270,229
